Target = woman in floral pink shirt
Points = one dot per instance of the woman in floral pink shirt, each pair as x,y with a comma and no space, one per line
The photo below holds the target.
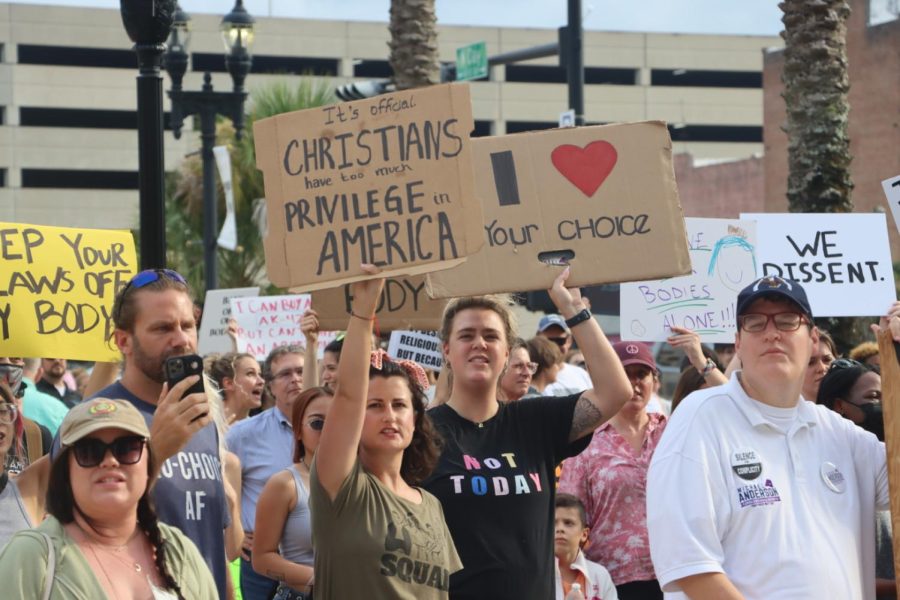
610,478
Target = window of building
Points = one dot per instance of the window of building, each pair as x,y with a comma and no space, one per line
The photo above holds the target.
525,73
73,56
79,179
716,133
698,78
34,116
520,126
295,65
482,128
374,69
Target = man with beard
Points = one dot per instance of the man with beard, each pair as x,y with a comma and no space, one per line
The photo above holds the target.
154,320
52,382
265,445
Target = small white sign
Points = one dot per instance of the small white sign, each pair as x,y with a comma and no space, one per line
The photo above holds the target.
723,261
423,347
892,192
843,260
214,323
267,322
567,118
228,235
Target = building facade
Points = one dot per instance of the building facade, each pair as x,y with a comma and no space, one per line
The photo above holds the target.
68,146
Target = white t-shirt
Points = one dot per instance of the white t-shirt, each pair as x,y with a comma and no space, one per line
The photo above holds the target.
783,506
570,380
598,583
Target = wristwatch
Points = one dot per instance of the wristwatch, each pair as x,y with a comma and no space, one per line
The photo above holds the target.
709,367
579,317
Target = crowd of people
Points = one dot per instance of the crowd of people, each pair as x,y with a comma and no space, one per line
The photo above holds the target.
539,468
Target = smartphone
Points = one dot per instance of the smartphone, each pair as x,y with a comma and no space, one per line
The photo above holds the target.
180,367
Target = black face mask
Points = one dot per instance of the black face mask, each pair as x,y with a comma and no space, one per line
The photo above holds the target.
873,418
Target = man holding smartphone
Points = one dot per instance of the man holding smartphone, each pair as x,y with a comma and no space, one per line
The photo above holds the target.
154,320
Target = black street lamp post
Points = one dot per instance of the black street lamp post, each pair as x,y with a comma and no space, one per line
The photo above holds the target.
237,32
148,24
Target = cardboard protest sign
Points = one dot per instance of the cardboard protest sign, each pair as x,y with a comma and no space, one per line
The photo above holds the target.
891,189
57,288
385,180
267,322
723,260
213,335
843,260
404,304
602,199
423,347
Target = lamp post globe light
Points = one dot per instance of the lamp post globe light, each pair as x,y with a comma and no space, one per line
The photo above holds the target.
147,24
237,32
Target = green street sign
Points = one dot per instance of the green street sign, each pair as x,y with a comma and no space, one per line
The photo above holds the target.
471,62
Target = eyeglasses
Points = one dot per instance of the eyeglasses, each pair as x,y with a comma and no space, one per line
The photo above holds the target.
844,363
316,424
8,414
531,367
127,450
786,321
146,278
288,374
559,341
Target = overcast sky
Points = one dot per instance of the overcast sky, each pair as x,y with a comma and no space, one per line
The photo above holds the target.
752,17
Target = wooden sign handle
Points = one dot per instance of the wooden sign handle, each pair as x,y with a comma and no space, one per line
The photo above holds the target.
890,394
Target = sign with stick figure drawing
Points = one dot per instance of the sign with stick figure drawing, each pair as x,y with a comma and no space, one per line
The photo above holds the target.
723,261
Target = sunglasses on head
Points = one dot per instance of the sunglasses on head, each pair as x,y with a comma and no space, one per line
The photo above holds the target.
316,424
127,450
147,277
844,363
559,341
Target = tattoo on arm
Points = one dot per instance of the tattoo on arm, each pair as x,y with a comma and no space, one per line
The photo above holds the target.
586,419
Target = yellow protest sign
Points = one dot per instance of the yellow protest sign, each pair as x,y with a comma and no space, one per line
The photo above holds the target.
57,286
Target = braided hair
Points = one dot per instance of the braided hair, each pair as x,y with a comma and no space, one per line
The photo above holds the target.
61,504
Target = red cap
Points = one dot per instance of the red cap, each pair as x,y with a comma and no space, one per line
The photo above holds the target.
635,353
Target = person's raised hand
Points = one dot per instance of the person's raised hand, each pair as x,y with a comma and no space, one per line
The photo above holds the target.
567,300
689,342
890,322
309,326
177,419
367,293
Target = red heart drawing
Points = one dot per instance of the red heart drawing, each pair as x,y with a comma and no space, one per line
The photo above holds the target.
587,168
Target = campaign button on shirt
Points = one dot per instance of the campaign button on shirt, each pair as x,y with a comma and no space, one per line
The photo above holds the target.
833,478
746,464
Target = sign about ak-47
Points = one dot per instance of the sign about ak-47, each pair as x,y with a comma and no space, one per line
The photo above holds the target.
386,181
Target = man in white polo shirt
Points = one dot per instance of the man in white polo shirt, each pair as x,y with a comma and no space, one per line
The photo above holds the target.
753,493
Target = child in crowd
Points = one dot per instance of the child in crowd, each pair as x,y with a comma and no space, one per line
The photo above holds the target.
570,534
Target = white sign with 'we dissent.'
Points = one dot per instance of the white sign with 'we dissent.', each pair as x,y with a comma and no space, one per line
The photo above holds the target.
842,260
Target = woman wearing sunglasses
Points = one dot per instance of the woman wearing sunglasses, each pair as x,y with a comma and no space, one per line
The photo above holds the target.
102,539
375,535
282,548
13,513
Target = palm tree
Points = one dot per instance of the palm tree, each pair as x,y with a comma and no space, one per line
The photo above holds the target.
414,50
184,201
816,85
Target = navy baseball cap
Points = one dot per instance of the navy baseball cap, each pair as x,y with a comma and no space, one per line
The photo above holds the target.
552,321
771,285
